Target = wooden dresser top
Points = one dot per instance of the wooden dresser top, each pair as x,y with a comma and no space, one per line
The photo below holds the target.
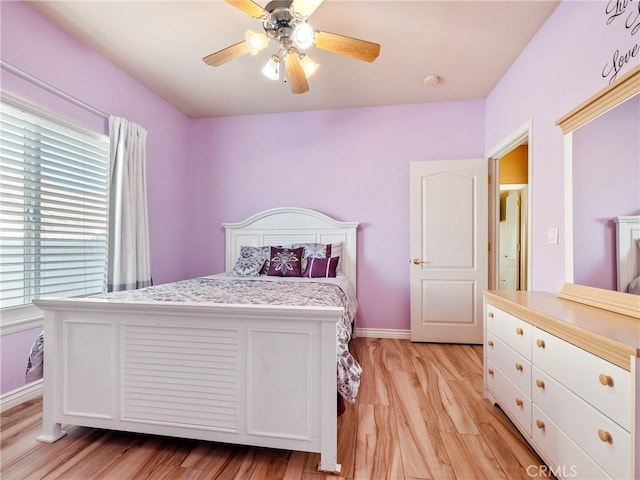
612,336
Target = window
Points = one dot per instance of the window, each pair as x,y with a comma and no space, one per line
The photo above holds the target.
53,213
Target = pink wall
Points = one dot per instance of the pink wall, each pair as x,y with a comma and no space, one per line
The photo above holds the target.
560,68
349,164
60,60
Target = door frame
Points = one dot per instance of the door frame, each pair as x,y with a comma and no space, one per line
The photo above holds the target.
524,134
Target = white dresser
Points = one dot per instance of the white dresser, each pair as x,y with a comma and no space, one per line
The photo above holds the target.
568,377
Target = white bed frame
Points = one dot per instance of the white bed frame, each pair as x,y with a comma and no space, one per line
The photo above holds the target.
241,374
627,254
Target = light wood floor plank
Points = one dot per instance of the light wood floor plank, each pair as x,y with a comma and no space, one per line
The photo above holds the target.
323,476
40,462
240,465
449,413
347,431
201,455
374,381
172,472
270,463
517,462
396,355
471,458
422,454
420,414
133,459
220,455
91,458
21,442
430,383
377,445
23,416
295,466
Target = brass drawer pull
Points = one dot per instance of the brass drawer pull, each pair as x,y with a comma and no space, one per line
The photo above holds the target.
606,380
540,343
490,371
490,314
519,331
540,424
519,402
490,343
605,436
540,384
519,367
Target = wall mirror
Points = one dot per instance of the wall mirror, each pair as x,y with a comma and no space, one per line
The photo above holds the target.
602,187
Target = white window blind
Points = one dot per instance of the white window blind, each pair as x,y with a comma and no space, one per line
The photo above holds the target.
53,208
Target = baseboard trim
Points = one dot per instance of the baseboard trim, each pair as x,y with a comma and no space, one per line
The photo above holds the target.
383,333
19,395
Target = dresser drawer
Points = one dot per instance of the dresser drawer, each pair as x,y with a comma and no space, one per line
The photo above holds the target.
514,402
602,384
512,364
608,444
511,330
569,460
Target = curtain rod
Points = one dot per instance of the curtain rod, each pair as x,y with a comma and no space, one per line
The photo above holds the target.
52,89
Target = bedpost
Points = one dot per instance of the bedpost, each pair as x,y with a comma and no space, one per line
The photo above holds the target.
51,431
328,413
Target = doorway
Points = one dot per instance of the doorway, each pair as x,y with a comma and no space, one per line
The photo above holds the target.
509,212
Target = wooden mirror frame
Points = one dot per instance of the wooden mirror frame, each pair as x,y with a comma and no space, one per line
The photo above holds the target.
614,94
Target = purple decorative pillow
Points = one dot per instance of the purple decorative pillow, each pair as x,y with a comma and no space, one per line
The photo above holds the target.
285,262
321,267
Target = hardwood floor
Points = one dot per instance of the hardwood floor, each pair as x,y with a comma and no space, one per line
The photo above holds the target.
419,415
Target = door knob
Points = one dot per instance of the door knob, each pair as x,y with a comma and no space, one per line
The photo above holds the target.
417,261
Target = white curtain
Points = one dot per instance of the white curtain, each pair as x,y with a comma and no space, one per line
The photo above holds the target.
129,259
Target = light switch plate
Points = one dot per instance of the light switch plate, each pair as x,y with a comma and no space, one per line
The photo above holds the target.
552,236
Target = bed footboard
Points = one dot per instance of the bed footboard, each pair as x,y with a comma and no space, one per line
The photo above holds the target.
241,374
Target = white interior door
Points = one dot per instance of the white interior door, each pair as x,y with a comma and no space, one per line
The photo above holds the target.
448,244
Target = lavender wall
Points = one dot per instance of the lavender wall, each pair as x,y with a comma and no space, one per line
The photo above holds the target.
606,179
60,60
349,164
561,67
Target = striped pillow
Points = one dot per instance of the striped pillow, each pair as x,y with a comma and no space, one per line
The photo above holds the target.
321,267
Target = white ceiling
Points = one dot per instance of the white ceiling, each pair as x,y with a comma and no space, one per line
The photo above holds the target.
469,44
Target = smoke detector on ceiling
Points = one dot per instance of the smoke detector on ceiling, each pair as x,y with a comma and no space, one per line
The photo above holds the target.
431,80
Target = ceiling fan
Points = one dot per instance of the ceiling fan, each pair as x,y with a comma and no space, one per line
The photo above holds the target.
285,22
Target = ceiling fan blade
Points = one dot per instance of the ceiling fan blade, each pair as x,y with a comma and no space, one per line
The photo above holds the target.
352,47
226,54
306,7
248,6
295,73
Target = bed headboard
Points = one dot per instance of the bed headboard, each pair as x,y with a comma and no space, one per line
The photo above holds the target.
287,225
627,250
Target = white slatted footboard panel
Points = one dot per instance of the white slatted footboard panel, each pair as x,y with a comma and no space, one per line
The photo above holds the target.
180,376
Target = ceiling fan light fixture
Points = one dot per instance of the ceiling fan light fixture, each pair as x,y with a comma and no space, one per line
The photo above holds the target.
285,22
272,68
303,35
308,65
256,41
